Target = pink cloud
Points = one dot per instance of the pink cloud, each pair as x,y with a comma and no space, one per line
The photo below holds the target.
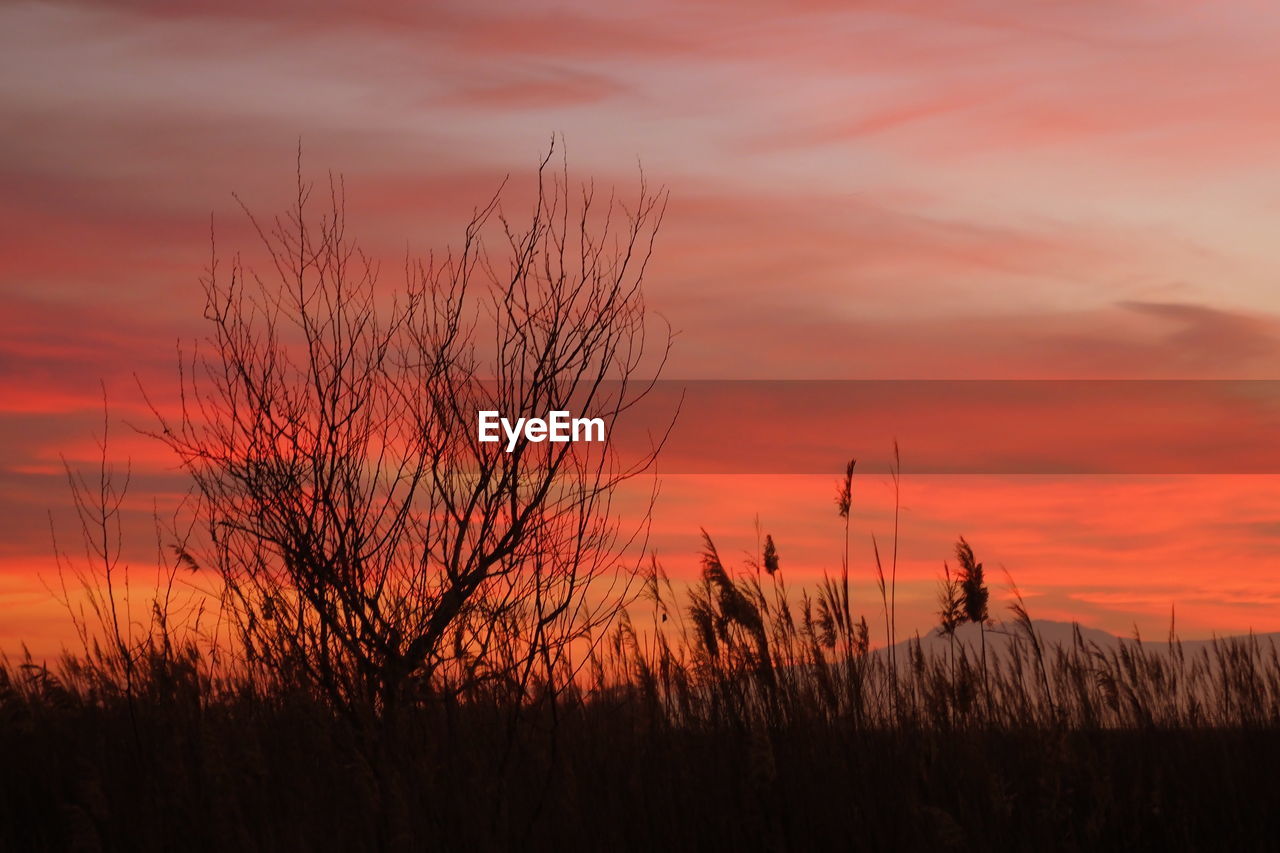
901,190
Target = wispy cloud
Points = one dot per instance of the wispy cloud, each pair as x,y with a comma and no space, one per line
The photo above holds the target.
920,189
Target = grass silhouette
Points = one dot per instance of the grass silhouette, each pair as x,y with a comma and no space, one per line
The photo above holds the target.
731,714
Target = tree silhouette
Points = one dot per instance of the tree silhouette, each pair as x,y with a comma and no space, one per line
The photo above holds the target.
368,544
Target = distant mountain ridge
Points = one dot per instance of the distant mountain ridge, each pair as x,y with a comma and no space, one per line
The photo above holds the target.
1001,636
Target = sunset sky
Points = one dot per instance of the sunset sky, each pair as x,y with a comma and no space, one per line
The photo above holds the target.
880,190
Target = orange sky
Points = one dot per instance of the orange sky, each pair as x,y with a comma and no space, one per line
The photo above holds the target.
905,190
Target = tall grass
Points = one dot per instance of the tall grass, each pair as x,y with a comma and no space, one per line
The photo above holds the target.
751,652
731,711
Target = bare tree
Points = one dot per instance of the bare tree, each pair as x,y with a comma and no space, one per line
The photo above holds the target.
370,545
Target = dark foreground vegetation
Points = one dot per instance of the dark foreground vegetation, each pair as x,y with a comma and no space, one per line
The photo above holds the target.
696,754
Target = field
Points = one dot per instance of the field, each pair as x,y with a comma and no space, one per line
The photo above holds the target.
744,719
